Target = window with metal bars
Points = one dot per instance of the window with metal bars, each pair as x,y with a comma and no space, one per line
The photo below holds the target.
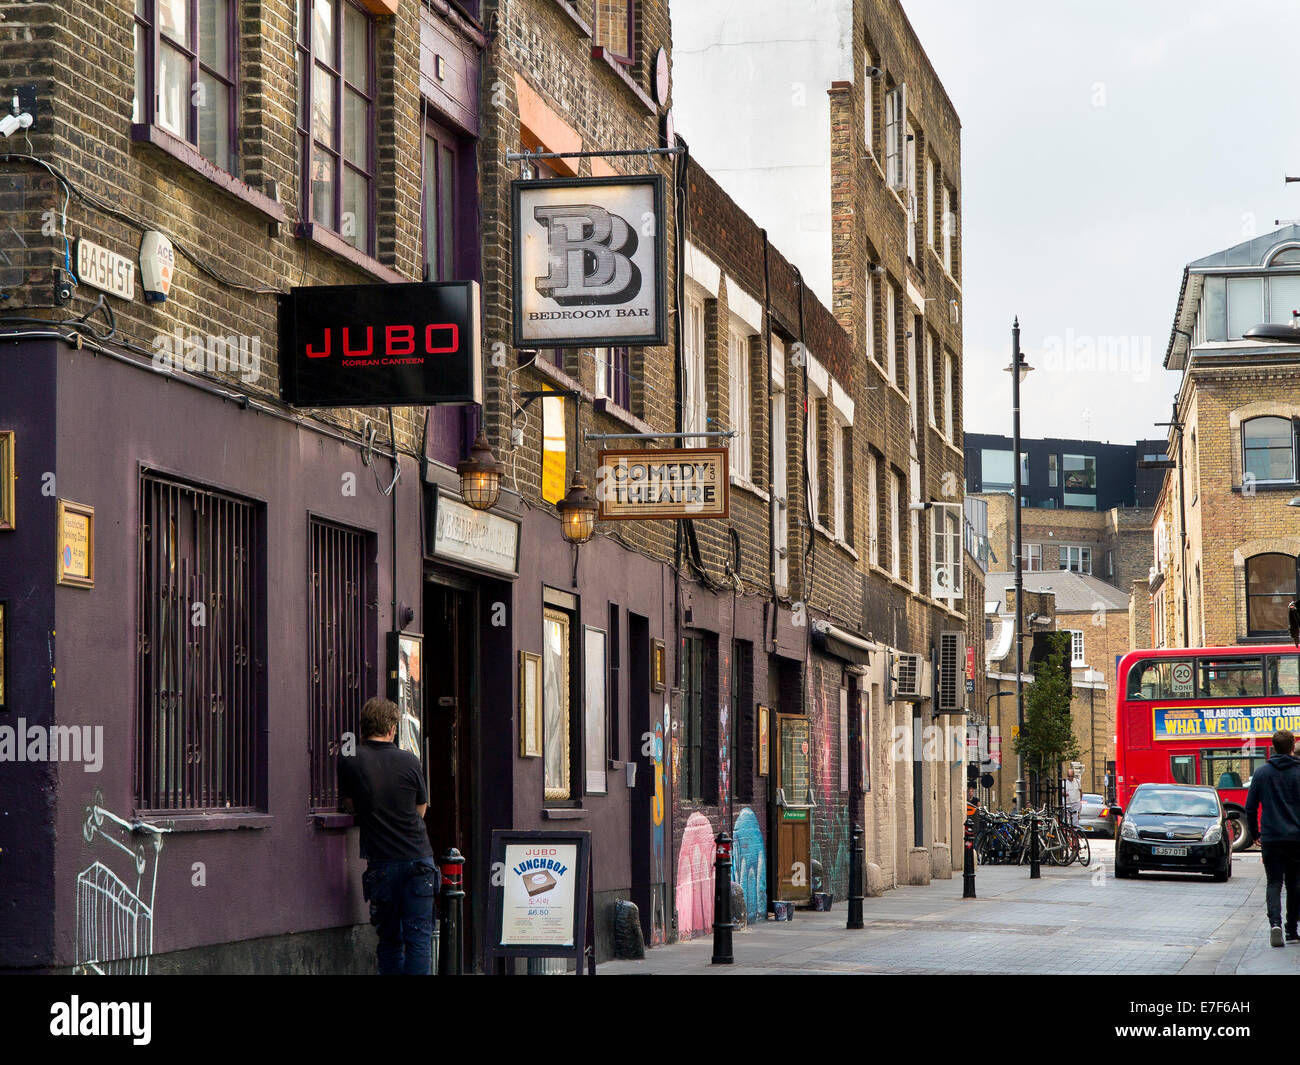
742,721
342,631
699,717
201,686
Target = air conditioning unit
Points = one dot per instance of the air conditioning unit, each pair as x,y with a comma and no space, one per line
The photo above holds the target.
950,698
909,679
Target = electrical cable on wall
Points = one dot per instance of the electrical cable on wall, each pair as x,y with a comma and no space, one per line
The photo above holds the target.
123,216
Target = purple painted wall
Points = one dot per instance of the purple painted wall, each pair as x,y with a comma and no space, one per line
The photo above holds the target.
288,875
27,585
455,94
606,573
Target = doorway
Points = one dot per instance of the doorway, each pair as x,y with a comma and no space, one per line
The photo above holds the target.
450,648
792,770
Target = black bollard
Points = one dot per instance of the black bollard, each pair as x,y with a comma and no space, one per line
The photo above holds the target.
722,926
859,853
451,960
1034,872
968,859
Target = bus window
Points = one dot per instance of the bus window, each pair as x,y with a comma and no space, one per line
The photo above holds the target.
1183,768
1232,768
1149,679
1227,678
1284,675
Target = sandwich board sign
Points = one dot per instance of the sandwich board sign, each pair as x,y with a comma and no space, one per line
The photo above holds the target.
540,897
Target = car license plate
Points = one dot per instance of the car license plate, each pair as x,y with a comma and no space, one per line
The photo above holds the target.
1170,852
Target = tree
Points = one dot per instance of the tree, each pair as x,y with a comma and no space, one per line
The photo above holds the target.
1047,738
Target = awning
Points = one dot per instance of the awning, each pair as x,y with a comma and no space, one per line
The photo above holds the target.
841,643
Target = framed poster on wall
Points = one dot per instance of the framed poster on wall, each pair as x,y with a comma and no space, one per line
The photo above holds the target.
530,705
762,740
406,688
658,666
8,476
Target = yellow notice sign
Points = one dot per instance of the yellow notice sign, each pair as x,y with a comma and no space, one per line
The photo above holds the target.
76,540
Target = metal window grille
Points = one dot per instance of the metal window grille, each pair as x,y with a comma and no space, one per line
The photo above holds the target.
908,682
692,661
950,695
201,621
340,663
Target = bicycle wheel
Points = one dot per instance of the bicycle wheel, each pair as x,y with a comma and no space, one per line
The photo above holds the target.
1085,850
1071,841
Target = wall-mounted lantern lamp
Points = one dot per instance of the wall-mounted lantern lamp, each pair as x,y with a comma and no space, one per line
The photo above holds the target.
577,512
480,475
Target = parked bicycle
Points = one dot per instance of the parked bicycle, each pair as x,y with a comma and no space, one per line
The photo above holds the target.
1003,838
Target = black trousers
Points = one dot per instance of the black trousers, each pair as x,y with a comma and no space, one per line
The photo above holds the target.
1282,865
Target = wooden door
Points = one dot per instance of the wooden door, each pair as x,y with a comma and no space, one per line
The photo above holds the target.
793,812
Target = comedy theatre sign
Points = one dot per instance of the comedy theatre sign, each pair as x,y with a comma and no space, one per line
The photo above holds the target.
676,483
589,262
381,345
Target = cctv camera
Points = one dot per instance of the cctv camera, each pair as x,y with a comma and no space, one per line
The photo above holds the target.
11,123
876,268
875,72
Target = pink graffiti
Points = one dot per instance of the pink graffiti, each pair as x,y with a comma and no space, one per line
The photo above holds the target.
695,879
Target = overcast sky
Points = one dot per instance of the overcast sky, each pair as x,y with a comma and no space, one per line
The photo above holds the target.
1104,146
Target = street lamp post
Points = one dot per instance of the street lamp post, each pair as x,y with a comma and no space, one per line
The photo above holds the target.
1018,369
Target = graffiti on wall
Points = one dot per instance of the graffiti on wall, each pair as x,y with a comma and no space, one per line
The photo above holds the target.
658,915
695,878
749,864
114,919
832,842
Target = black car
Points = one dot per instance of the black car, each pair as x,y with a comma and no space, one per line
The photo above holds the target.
1174,828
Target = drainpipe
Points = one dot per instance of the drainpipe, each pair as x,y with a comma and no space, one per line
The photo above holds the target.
771,458
1182,532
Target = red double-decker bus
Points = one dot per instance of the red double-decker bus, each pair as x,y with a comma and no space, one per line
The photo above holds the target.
1203,715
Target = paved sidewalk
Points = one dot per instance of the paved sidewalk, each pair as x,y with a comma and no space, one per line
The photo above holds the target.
1071,921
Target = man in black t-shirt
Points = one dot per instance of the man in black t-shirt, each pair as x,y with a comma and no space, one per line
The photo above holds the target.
383,786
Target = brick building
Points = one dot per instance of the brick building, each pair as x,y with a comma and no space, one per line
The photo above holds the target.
1224,539
216,507
1097,617
867,143
782,628
1086,506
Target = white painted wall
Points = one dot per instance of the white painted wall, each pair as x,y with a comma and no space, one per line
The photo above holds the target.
749,94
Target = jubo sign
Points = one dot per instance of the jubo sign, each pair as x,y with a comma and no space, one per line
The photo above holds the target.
670,483
589,262
381,345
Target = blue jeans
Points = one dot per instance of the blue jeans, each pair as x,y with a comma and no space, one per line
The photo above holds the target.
401,897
